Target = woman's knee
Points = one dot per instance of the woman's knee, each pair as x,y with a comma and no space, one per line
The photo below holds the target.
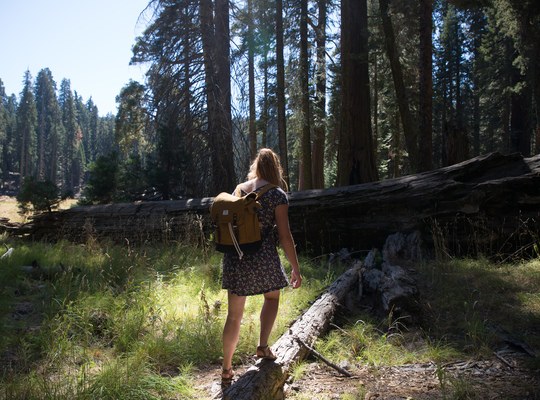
272,296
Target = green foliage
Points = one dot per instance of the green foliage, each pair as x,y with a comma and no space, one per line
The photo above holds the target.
38,196
122,322
103,180
473,301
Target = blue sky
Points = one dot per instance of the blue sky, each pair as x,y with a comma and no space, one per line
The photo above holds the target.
87,42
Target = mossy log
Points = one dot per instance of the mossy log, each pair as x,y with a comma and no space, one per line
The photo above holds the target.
489,203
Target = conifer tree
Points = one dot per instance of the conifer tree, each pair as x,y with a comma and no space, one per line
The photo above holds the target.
26,129
49,126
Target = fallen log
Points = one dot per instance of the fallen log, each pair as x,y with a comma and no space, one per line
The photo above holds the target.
489,204
389,285
265,379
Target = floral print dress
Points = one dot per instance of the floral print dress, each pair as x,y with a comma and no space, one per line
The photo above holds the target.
262,271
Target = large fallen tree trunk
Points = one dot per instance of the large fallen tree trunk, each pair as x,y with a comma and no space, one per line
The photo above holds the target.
265,379
487,204
477,205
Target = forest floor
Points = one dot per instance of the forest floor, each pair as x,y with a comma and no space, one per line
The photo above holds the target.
502,377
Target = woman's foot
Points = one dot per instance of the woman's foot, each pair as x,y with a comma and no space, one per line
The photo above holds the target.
227,376
265,352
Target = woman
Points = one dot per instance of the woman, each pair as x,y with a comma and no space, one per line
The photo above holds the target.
262,272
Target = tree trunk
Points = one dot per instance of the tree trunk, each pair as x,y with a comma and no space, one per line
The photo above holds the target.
520,137
305,181
409,130
425,131
489,204
265,379
319,128
356,157
265,104
280,92
251,72
215,38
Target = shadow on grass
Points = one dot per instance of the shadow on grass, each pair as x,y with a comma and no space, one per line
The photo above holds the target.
480,306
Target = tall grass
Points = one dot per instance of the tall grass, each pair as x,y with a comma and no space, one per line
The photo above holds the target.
468,308
121,322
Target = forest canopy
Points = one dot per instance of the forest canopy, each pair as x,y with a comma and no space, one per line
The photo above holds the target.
346,92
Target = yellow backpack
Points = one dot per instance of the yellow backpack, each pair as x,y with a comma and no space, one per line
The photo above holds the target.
237,227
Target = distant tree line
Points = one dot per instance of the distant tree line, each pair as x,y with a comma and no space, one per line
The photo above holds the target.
50,134
347,92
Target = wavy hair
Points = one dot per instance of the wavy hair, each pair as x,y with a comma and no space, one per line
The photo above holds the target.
267,166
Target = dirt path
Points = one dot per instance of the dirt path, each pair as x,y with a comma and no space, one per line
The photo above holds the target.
492,379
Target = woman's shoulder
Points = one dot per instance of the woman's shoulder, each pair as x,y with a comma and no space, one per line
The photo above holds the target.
279,195
247,186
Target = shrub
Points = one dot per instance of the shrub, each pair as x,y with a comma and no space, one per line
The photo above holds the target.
38,196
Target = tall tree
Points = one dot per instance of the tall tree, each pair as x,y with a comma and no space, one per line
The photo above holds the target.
3,131
72,131
252,135
425,71
409,129
91,135
215,43
131,120
26,129
280,91
319,128
306,177
49,126
356,158
9,150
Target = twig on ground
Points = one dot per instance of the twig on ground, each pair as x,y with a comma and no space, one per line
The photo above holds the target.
502,359
323,359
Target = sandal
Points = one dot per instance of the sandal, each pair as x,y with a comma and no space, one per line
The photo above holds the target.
265,352
227,377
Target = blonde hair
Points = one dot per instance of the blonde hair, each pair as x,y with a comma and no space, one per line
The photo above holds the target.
268,167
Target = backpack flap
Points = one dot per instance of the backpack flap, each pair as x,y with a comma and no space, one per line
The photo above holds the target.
236,222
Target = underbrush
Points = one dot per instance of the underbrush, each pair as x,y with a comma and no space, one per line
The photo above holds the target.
469,309
120,322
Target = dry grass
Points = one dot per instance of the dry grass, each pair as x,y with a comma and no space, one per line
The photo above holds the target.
10,210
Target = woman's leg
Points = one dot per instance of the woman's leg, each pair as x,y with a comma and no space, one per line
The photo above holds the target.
231,331
268,315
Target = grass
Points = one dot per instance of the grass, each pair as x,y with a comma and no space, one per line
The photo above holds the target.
120,322
9,208
100,321
467,306
117,322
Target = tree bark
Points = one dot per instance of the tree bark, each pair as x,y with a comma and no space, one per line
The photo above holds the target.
265,379
305,181
425,131
356,157
251,72
215,38
319,128
409,130
280,92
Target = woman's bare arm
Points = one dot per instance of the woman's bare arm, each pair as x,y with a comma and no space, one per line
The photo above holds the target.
287,243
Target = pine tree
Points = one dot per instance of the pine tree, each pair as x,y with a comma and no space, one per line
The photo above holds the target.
26,129
49,126
71,137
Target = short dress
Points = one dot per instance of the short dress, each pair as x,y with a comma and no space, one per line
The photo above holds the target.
262,271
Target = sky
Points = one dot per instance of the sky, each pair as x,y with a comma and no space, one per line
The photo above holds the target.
87,42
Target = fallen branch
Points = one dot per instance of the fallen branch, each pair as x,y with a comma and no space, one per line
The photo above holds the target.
324,359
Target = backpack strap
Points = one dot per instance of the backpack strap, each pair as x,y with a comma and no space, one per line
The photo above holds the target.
265,189
262,190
